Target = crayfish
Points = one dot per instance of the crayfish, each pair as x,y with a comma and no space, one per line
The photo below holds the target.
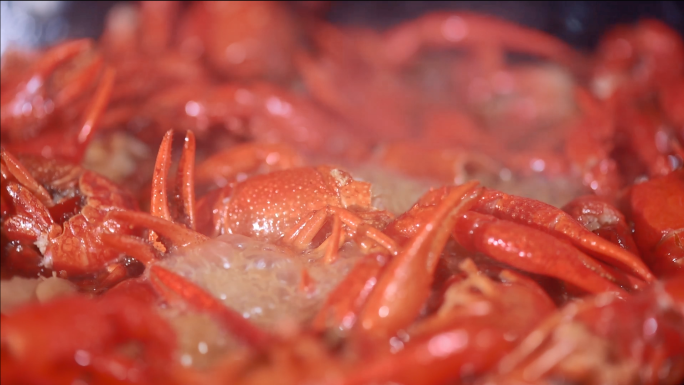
532,230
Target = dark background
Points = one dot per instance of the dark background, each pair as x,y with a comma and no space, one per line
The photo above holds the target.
578,23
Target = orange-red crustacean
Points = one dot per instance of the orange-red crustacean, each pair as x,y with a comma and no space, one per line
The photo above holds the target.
659,233
68,338
461,284
54,216
53,210
44,91
290,206
610,328
36,120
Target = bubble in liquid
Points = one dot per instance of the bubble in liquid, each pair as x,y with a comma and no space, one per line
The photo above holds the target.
287,276
262,282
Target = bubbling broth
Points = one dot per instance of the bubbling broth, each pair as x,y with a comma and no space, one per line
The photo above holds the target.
260,280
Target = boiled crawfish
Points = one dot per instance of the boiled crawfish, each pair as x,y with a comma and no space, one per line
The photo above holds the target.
54,213
464,286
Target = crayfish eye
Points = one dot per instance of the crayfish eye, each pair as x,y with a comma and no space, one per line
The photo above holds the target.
134,267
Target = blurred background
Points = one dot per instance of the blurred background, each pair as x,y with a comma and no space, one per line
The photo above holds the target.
35,23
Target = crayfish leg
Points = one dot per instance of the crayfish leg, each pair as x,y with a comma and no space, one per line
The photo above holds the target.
95,111
354,222
179,235
24,177
30,210
331,251
303,232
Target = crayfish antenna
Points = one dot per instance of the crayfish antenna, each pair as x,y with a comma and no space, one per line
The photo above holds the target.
405,283
172,286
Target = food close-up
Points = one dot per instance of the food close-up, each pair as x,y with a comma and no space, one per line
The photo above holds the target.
257,193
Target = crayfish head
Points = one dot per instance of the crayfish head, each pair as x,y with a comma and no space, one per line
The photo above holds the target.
352,193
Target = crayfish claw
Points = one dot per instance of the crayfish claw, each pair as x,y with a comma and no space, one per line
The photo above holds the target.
404,284
184,191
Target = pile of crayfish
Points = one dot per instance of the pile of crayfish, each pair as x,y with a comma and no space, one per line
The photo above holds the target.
457,199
